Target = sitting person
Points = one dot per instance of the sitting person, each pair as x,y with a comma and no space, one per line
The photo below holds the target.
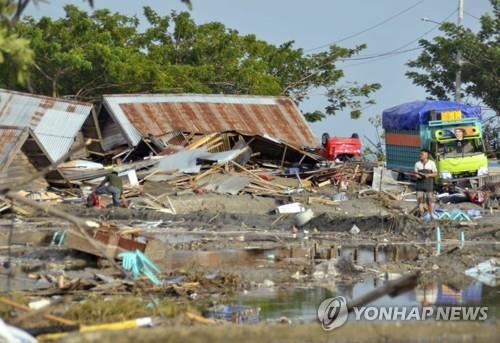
462,146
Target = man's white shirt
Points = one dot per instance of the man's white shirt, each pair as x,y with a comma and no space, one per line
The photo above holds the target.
429,165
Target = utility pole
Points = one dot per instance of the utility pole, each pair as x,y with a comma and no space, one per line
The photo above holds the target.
458,76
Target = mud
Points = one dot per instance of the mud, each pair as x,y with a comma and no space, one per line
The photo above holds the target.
235,250
419,332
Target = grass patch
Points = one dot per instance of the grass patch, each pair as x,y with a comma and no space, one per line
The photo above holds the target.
97,309
8,312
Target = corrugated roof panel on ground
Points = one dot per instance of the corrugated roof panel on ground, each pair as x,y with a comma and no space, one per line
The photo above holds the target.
144,114
224,183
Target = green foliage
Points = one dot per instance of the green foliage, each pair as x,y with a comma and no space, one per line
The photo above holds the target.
96,309
375,149
491,134
84,55
15,53
480,61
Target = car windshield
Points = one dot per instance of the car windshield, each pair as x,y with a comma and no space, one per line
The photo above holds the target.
460,148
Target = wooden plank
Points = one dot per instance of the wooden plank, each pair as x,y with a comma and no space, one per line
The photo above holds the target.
76,241
201,141
324,183
256,176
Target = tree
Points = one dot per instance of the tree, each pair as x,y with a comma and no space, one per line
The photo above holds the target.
86,55
491,134
376,149
480,61
15,53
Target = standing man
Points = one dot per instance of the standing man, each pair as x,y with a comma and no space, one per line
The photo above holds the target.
425,171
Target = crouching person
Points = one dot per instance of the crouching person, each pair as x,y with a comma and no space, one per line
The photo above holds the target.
112,185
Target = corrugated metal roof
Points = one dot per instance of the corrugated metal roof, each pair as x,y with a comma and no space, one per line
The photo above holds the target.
9,138
143,114
55,122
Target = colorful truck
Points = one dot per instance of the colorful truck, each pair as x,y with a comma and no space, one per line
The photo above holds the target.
451,131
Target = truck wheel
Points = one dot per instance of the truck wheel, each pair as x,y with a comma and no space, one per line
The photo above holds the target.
324,139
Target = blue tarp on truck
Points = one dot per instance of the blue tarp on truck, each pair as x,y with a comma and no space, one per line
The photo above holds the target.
411,115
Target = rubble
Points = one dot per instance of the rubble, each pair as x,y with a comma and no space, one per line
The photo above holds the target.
214,209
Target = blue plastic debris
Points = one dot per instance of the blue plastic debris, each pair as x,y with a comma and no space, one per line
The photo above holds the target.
58,238
428,216
474,213
458,215
139,264
455,214
241,314
438,234
438,249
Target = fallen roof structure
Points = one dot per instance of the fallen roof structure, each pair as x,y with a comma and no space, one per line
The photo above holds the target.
11,140
55,123
144,115
21,156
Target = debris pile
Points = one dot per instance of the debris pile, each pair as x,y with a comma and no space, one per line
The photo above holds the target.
162,152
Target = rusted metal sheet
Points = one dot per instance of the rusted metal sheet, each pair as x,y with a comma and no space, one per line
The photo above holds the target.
10,140
19,170
55,122
113,242
144,114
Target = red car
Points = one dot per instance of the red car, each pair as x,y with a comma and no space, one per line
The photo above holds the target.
340,148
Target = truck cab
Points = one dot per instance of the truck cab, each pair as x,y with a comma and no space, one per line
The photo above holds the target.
458,149
340,148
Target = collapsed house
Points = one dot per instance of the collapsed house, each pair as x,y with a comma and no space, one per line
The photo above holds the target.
36,131
195,142
156,123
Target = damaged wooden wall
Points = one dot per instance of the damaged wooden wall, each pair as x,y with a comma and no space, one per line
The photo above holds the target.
21,169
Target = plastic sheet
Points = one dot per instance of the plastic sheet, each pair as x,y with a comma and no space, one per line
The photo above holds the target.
410,116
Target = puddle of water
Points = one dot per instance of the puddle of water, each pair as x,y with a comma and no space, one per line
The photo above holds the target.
217,258
177,238
366,254
230,257
300,304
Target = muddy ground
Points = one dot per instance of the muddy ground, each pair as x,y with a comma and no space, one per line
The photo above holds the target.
219,249
447,332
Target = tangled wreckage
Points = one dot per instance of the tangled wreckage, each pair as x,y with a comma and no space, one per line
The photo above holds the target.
225,194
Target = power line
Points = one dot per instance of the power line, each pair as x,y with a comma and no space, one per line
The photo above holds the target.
399,50
374,56
472,15
369,28
377,57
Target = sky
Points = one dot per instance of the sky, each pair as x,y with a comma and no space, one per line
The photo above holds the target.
315,23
